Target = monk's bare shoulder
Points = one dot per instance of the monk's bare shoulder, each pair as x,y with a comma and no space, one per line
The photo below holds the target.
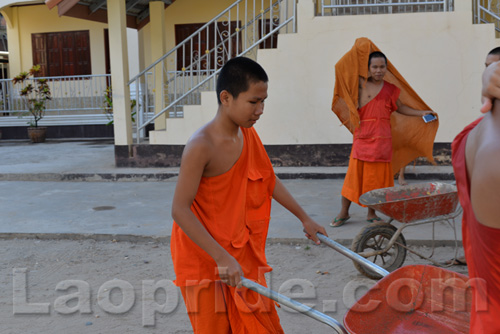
483,159
199,148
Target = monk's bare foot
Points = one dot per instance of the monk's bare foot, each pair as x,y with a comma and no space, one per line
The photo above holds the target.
373,219
461,261
401,181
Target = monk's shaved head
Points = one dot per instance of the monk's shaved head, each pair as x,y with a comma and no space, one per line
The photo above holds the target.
237,74
493,56
495,51
376,54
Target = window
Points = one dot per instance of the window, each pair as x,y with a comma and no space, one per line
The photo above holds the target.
62,53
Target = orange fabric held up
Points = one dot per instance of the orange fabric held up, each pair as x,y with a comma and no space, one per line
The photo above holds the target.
481,248
364,176
411,137
235,208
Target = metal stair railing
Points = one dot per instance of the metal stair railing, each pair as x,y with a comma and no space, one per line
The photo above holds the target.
487,11
192,66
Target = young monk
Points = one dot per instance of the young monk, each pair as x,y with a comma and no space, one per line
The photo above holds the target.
370,162
221,210
475,159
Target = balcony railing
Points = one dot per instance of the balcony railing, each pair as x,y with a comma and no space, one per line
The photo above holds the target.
75,99
370,7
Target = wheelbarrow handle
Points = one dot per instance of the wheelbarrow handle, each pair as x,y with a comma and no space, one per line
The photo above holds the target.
284,300
352,255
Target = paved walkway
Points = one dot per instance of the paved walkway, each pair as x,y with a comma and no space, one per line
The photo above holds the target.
33,200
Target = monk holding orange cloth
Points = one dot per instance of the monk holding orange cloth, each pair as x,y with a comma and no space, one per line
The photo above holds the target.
222,207
364,101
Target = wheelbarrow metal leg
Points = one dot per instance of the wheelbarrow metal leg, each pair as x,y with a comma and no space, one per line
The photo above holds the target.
352,255
284,300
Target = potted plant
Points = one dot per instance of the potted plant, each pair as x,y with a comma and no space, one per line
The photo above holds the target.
108,106
34,92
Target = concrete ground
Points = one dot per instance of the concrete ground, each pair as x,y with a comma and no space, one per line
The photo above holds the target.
64,188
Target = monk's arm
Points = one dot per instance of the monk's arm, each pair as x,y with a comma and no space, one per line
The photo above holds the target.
361,85
194,159
405,110
283,197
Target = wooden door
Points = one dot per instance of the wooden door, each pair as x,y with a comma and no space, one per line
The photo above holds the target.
39,46
82,55
54,54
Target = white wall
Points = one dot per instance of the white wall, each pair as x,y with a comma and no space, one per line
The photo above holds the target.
440,54
133,52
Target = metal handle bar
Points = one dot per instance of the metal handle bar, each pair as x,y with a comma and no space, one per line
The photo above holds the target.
284,300
352,255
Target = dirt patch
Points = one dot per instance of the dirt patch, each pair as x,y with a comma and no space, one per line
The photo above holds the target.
86,286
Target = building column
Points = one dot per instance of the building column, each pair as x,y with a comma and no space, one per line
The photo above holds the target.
157,31
118,53
11,17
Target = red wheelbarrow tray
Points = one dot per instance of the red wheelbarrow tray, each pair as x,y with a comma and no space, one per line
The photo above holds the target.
413,202
414,299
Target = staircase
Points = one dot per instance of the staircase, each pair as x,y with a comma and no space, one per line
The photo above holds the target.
191,67
487,11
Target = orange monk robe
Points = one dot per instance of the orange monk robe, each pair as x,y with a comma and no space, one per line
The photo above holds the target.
411,137
481,247
235,208
370,162
364,176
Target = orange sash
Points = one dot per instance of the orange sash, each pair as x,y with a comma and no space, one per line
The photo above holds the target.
372,139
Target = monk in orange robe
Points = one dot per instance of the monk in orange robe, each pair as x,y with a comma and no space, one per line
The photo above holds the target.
371,163
492,57
475,153
222,207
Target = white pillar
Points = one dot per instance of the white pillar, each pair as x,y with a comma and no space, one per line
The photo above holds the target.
15,60
119,71
157,31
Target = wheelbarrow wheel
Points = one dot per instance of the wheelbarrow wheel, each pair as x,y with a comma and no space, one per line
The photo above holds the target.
376,237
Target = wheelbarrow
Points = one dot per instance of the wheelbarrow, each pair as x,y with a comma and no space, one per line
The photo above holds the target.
413,299
411,205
